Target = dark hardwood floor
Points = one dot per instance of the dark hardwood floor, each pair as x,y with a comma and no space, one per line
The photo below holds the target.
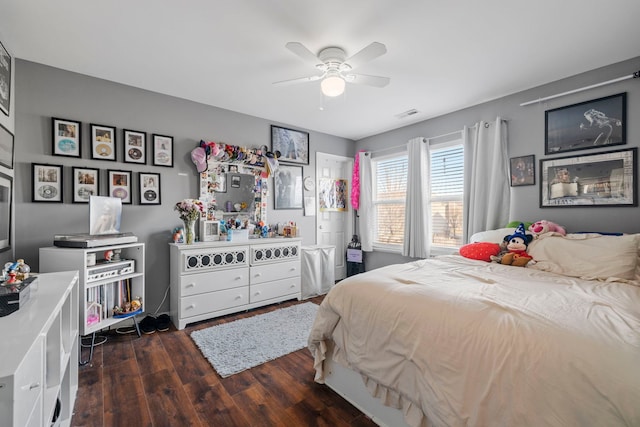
162,379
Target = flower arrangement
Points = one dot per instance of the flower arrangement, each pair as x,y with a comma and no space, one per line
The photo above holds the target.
190,209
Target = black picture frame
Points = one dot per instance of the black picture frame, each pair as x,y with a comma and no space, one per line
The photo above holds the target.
591,124
162,150
522,170
6,219
66,137
601,179
150,188
287,185
119,184
47,183
86,183
7,147
103,142
134,146
5,80
291,144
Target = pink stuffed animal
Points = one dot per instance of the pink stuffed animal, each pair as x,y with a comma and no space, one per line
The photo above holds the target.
544,226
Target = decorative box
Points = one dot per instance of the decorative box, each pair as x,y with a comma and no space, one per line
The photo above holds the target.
14,296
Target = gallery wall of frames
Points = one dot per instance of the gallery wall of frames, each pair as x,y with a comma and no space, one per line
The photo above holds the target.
48,184
607,178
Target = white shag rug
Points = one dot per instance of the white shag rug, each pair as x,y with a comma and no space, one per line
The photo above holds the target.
242,344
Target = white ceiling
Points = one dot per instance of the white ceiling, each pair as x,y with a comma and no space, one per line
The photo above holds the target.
443,55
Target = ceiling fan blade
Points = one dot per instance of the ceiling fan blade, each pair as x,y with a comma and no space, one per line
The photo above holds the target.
305,54
370,52
299,80
363,79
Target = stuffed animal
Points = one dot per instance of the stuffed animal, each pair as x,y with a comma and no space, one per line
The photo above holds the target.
516,249
544,226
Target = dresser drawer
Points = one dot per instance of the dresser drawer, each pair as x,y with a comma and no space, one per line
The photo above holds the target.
201,259
269,272
29,385
196,305
270,290
280,251
200,283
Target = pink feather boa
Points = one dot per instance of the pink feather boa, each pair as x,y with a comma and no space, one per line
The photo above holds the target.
355,183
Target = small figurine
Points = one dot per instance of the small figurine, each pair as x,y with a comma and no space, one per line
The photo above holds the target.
108,255
15,272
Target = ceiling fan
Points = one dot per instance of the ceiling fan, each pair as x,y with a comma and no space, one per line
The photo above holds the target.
335,69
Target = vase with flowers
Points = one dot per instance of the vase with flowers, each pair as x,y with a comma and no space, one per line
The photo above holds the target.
189,211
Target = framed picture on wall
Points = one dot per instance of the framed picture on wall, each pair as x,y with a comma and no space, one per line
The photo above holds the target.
601,179
86,183
66,137
293,145
120,185
47,183
103,142
333,194
591,124
522,170
6,147
287,186
6,221
162,150
5,80
135,146
149,188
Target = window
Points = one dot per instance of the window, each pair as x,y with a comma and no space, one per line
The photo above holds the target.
389,195
447,188
447,185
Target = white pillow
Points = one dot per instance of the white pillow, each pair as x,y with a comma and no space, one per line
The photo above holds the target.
589,256
493,236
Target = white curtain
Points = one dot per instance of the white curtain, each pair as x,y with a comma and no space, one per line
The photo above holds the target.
487,193
417,212
366,213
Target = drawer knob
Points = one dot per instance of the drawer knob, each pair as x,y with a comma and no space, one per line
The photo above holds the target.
191,306
257,293
190,285
31,386
258,275
239,278
292,269
239,297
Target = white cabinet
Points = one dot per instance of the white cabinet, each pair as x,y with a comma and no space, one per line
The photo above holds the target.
39,351
211,279
103,284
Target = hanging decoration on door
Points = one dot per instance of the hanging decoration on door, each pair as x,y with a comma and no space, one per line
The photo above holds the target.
333,194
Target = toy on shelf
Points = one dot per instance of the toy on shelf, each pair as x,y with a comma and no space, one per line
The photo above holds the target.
129,308
94,313
15,272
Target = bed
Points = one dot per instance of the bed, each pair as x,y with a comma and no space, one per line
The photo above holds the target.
452,341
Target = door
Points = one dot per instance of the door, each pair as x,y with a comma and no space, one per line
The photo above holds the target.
335,219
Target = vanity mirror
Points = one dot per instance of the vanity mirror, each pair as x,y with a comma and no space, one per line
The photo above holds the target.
234,191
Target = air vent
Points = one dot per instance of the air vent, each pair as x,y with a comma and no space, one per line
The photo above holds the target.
407,113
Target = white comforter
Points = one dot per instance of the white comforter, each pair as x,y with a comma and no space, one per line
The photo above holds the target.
457,342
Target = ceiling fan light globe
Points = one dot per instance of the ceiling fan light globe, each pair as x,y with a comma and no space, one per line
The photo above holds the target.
332,86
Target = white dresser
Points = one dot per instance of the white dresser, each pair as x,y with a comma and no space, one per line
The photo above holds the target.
39,353
211,279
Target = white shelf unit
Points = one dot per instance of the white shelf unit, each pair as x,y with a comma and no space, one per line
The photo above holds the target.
39,354
211,279
104,283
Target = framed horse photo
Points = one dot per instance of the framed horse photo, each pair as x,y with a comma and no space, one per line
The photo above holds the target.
590,124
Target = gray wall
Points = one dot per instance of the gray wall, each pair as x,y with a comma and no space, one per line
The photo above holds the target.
526,136
43,92
9,123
